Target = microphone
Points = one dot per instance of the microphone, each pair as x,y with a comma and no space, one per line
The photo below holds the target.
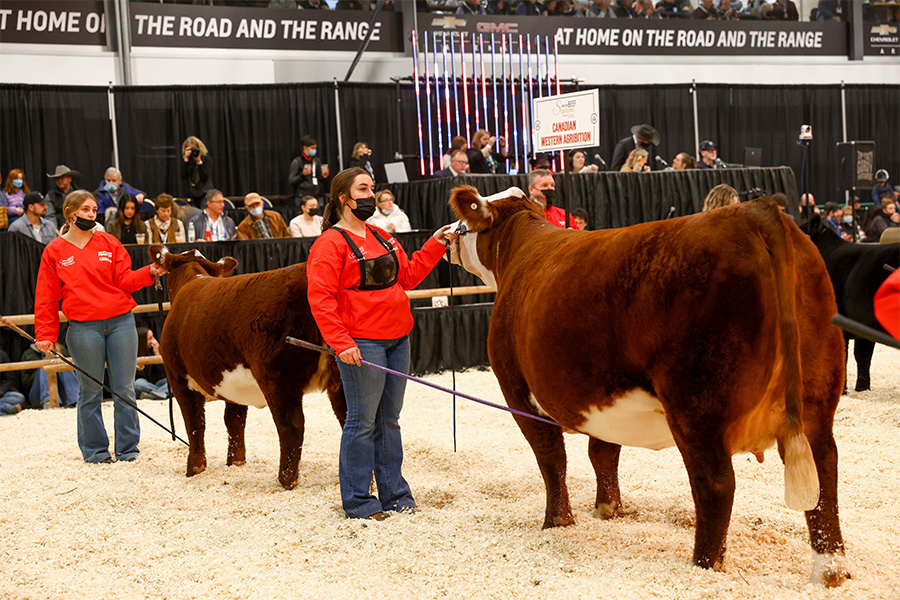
602,163
660,161
671,212
720,164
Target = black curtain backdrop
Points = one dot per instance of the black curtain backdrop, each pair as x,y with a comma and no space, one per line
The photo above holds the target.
253,132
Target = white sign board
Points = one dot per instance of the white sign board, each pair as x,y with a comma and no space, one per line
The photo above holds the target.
567,121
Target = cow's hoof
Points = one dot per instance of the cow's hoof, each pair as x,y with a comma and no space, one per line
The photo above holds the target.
191,471
606,511
863,385
829,570
562,521
236,463
288,485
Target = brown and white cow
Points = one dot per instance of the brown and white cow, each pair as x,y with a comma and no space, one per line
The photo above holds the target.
224,340
689,332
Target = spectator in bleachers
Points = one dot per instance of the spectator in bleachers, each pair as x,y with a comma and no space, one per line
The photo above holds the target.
721,195
388,215
111,190
674,8
834,216
261,224
221,227
531,8
581,218
350,5
165,228
312,5
500,7
13,194
542,189
196,169
361,157
470,7
64,178
781,200
459,163
785,10
682,161
283,4
600,9
705,10
150,380
828,10
308,174
566,8
881,186
629,9
307,223
754,9
34,223
889,218
11,400
35,381
850,229
126,223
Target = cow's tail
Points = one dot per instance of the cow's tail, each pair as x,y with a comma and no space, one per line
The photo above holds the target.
801,481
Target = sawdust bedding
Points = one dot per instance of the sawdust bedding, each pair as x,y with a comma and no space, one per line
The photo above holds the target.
143,530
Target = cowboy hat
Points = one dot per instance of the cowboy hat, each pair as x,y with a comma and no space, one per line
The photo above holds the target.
63,170
646,132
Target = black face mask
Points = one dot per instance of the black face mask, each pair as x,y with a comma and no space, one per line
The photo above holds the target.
84,224
365,208
550,195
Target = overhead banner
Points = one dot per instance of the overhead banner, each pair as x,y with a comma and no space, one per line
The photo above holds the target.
181,26
660,36
567,121
51,22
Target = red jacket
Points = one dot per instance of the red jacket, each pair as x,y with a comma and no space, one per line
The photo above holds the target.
557,216
94,283
341,311
887,304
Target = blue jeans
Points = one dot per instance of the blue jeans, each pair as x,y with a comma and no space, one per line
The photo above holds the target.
159,390
371,440
113,341
67,386
10,399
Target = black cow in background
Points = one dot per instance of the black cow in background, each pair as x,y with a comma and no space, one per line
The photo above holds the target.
856,271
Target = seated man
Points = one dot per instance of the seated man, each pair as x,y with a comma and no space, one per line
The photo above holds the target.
11,400
34,224
709,156
63,177
542,188
260,224
834,217
459,163
110,191
211,225
888,219
785,10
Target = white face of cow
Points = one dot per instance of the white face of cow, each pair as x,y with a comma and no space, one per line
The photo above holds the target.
464,251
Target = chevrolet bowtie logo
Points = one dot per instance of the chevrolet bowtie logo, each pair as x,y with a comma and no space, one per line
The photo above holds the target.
884,30
448,22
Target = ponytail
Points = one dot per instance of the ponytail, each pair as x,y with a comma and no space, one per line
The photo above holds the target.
341,184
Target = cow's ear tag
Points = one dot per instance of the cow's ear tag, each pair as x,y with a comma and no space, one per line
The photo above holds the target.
474,206
157,255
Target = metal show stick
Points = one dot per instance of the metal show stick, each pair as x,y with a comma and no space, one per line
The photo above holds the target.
304,344
133,405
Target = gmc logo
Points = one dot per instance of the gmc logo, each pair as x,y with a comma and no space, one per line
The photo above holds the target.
497,27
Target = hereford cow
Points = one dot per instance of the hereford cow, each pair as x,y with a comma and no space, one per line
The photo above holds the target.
856,272
688,332
224,340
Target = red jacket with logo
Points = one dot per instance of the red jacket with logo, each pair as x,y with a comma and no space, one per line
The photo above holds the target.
343,312
557,216
94,283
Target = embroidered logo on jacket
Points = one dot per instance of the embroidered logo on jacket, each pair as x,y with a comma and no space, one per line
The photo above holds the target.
104,255
67,262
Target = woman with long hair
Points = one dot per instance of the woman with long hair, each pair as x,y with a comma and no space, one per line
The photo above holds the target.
636,161
13,194
577,163
90,272
358,275
127,222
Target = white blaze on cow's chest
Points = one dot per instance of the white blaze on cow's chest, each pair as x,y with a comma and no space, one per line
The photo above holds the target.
634,419
238,385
